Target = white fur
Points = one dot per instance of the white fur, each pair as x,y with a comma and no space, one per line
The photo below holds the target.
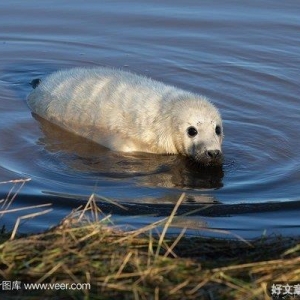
127,112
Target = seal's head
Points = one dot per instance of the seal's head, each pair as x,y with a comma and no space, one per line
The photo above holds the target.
199,133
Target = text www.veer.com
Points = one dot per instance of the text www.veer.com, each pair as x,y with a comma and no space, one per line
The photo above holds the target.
56,286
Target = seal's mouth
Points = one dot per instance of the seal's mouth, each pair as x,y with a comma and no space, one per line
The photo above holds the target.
212,158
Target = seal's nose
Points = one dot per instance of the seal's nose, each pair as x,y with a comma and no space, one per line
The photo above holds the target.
213,154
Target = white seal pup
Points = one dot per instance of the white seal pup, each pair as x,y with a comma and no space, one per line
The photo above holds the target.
127,112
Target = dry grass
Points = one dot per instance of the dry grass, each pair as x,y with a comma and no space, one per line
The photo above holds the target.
137,265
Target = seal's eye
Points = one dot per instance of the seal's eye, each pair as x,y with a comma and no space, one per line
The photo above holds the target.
192,131
218,130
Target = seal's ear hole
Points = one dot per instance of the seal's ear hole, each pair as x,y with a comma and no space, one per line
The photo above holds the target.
218,130
192,131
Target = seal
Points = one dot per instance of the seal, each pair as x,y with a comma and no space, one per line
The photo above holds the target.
127,112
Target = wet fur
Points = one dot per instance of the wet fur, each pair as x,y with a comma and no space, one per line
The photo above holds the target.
127,112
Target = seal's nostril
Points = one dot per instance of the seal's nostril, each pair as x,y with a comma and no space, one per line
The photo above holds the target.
213,153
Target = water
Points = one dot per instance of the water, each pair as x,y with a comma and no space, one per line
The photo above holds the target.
243,55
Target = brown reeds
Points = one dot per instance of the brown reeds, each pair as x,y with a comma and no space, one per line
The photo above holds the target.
86,248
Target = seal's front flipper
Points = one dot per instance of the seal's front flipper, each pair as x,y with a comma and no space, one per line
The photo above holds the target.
35,82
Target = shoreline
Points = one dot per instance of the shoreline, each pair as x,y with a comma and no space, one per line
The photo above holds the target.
86,248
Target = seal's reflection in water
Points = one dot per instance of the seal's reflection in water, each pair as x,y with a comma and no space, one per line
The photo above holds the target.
152,170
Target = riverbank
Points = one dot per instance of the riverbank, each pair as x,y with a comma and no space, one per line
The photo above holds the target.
88,258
